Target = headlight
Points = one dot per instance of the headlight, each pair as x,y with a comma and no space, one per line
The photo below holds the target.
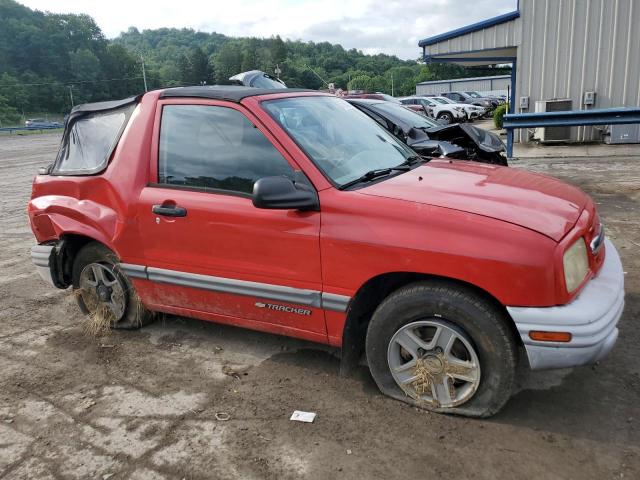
576,264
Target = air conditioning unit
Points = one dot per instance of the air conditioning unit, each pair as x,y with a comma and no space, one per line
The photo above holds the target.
625,133
553,134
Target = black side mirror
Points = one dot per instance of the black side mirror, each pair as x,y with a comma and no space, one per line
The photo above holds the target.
281,193
436,148
452,151
396,130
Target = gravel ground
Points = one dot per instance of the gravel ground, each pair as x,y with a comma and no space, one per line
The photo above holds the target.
148,404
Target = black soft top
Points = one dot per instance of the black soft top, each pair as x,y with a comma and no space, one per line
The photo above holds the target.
233,93
97,107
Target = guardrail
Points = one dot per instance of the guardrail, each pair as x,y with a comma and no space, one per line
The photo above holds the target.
571,118
28,129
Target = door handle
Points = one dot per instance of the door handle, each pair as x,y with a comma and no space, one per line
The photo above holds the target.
169,210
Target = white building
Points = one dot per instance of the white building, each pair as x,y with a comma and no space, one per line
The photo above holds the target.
496,85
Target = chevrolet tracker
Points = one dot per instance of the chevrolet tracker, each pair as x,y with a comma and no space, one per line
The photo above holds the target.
292,212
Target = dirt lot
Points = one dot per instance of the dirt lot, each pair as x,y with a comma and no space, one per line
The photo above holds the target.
143,404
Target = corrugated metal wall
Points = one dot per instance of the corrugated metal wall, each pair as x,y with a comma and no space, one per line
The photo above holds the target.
497,85
572,46
498,36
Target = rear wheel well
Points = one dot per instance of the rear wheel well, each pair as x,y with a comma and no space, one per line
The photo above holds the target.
68,247
375,290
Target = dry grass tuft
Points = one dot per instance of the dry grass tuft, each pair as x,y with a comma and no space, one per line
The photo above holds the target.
100,319
99,322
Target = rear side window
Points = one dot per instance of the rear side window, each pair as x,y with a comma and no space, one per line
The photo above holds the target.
215,148
89,141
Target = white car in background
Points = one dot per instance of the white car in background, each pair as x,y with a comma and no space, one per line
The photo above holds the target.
472,111
446,113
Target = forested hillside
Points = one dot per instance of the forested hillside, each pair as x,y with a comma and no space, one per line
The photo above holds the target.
42,54
45,59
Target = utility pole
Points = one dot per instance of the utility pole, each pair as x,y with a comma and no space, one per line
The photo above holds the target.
316,74
71,94
144,73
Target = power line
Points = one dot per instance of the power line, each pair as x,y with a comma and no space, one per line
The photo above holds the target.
70,83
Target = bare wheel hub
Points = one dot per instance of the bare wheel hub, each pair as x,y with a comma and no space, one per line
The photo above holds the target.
100,287
434,362
104,293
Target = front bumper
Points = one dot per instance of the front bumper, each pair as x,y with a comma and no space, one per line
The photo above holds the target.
591,318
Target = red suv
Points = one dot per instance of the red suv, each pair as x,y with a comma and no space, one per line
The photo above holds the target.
294,213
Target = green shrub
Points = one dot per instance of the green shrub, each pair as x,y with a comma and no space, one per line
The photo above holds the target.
498,115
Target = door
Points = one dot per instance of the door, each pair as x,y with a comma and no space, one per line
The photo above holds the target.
207,248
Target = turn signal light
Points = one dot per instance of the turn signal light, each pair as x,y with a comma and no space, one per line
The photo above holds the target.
549,336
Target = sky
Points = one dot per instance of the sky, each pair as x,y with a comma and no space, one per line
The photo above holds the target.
373,26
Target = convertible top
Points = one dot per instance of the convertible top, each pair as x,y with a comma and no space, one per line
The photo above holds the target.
233,93
87,108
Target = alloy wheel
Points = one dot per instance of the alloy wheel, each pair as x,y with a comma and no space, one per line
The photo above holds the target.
435,362
101,287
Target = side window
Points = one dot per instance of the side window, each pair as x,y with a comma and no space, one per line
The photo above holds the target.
215,148
88,142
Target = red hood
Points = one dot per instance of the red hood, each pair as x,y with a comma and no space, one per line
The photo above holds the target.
533,201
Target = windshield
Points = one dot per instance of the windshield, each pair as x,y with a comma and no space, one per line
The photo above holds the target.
264,81
342,141
443,100
474,94
405,115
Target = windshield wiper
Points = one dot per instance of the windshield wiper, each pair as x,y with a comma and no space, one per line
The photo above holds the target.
372,174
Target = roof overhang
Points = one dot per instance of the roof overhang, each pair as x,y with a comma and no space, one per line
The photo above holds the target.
467,45
474,27
472,58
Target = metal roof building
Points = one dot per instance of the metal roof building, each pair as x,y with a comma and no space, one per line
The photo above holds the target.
583,51
498,84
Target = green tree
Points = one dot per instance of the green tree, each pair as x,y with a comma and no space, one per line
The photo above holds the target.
278,51
227,62
8,114
361,82
41,54
195,68
250,55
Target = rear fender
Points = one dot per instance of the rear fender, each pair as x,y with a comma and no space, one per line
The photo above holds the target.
54,216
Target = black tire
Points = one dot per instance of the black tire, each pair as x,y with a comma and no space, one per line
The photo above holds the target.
135,315
483,324
446,116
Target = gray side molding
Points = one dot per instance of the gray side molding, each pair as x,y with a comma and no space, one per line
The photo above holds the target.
332,301
134,271
300,296
310,298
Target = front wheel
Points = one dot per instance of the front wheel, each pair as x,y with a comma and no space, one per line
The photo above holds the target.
442,347
104,293
446,117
